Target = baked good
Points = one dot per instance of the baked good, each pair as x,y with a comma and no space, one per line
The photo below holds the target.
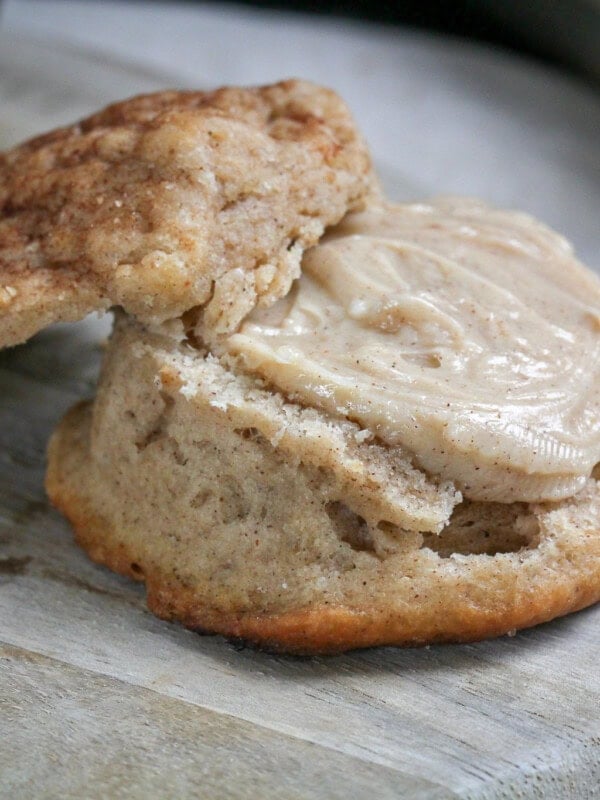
268,486
172,201
399,446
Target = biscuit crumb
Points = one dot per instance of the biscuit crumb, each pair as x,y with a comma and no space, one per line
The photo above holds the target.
7,295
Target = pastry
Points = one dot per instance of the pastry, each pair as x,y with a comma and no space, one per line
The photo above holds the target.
172,201
400,451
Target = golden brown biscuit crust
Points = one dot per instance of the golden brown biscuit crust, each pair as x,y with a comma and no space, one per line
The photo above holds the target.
174,200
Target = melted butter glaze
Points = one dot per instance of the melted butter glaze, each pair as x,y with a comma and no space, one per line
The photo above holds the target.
469,336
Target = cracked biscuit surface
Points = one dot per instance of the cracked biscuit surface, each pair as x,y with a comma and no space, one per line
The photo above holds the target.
174,200
249,515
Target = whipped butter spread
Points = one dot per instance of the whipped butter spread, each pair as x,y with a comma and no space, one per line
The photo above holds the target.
466,335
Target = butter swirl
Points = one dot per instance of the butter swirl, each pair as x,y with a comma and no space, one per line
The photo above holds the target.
467,335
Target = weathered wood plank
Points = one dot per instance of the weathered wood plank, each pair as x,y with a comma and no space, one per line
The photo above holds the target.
520,712
100,699
71,733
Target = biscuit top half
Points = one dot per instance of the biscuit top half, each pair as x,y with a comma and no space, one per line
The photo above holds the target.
173,201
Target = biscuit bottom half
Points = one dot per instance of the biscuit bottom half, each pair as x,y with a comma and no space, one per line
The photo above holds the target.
247,515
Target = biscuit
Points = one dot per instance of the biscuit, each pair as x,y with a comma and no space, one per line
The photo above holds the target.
173,201
250,516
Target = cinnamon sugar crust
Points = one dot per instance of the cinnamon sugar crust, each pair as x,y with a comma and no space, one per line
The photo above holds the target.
173,201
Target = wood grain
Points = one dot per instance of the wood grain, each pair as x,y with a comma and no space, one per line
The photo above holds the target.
94,687
98,699
73,733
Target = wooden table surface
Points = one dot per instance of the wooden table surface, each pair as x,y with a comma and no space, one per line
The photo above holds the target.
99,699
